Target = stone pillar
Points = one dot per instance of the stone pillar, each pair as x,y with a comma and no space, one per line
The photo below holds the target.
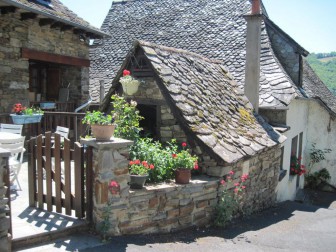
252,66
4,208
110,164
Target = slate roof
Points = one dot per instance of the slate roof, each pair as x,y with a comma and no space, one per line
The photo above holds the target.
315,88
209,105
213,28
58,12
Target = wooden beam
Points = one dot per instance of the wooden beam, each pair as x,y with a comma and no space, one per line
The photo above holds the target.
46,21
28,15
78,31
66,27
56,25
7,9
54,58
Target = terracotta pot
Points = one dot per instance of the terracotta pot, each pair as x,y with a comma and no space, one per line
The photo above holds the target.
138,181
182,176
102,132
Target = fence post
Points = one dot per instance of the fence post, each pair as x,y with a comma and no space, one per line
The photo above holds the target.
110,163
5,220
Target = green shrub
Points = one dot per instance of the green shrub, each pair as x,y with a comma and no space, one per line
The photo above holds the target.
315,179
127,118
154,153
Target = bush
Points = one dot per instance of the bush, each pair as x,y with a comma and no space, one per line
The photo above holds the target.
127,118
318,177
154,153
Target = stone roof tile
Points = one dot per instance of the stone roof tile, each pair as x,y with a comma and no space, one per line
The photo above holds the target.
58,11
213,108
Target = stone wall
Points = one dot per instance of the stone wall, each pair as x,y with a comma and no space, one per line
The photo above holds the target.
165,207
14,70
4,219
286,53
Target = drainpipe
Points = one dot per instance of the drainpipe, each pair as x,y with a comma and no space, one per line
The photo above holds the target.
253,44
101,91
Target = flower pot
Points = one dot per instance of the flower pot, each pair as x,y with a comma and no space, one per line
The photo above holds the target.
25,119
138,181
102,132
182,176
130,87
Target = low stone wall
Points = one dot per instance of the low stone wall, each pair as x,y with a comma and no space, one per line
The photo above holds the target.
167,207
4,209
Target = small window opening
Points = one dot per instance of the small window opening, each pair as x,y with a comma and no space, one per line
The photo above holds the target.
149,123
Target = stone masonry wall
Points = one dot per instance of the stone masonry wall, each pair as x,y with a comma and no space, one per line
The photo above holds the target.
14,70
4,220
287,55
165,207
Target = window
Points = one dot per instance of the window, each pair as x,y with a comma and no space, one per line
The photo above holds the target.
150,121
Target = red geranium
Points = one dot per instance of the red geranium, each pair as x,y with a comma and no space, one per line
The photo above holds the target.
126,72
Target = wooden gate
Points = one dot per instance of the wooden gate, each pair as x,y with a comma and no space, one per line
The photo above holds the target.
57,176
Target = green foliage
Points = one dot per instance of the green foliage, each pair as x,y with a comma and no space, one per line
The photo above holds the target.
230,201
137,167
326,70
182,158
97,117
313,180
317,155
33,111
127,118
154,153
318,177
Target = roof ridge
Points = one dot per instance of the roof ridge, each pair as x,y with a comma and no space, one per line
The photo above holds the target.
176,50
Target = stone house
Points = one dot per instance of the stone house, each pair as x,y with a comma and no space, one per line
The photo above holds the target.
188,97
43,47
291,97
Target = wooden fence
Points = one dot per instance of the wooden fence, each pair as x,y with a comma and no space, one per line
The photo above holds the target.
56,175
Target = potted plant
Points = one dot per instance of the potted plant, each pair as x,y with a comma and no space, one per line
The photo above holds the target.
183,162
139,172
129,84
296,168
102,125
24,115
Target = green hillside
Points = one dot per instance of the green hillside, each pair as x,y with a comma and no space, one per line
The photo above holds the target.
324,64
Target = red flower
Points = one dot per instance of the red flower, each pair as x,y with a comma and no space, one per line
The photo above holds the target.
231,172
126,72
244,177
131,163
243,187
137,162
184,144
196,166
236,190
236,184
114,183
174,155
151,167
228,177
222,182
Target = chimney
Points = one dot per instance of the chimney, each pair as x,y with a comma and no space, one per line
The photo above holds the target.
252,66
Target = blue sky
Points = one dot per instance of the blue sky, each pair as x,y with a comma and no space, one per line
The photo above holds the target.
312,23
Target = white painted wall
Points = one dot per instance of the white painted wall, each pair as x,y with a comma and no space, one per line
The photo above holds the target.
322,131
297,120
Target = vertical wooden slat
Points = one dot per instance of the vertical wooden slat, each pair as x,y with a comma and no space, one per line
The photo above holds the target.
89,184
48,170
32,172
67,176
39,172
79,181
57,155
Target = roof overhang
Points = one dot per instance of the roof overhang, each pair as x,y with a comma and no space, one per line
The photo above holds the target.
92,33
